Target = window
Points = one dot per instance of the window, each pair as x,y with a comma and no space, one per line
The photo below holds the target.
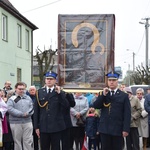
27,40
4,27
19,74
19,35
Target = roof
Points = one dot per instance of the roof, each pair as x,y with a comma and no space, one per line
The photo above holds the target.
5,4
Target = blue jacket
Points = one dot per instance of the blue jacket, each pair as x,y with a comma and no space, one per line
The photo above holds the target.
116,118
147,106
89,96
91,126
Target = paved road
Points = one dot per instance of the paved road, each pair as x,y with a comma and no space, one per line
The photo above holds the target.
140,145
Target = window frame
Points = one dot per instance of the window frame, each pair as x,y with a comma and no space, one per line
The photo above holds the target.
4,27
27,40
19,74
19,35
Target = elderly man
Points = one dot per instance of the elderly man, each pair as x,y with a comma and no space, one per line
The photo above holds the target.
7,87
115,114
48,116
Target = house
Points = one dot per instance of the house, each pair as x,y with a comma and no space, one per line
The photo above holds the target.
16,45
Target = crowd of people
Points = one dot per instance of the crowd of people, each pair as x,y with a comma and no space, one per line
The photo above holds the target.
51,119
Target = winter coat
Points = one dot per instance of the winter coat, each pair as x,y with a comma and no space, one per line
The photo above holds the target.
115,113
143,127
136,110
147,106
91,126
81,107
17,109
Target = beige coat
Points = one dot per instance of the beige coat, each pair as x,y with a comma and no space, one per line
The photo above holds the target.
136,110
143,127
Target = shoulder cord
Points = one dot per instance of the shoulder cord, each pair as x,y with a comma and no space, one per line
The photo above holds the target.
106,105
39,101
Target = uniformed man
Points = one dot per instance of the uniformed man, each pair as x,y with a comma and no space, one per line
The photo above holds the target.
115,114
48,118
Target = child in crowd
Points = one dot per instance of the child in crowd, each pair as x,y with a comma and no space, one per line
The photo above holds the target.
91,127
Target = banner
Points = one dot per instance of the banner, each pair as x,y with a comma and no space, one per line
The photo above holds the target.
85,50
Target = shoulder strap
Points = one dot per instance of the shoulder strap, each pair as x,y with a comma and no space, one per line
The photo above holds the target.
39,101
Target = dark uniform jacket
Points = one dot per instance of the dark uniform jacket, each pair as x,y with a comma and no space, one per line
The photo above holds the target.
66,112
115,118
49,118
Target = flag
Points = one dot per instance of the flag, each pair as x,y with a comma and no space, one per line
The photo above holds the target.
85,144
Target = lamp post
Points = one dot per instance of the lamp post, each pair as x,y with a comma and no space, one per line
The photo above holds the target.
146,23
133,55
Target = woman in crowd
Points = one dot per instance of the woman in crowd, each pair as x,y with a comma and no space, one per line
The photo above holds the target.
7,137
132,140
143,126
78,114
3,122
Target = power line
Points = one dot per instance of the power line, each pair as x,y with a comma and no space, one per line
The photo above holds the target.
147,8
140,56
140,43
41,6
124,59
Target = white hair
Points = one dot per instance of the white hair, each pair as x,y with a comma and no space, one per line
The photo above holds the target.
32,87
140,89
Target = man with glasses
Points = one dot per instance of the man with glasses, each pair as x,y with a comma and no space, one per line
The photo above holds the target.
20,108
115,114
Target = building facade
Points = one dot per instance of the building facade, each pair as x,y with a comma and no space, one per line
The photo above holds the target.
16,45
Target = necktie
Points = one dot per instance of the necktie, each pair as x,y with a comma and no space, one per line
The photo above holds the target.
49,90
112,93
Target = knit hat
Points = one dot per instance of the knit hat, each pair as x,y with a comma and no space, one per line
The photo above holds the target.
128,90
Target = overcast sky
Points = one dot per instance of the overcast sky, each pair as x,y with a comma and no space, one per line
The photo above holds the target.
129,34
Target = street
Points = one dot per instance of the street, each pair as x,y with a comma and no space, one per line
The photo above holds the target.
140,145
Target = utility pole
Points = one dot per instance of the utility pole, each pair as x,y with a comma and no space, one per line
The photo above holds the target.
133,55
146,34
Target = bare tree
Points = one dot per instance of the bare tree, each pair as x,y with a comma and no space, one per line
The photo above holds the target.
46,61
142,75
